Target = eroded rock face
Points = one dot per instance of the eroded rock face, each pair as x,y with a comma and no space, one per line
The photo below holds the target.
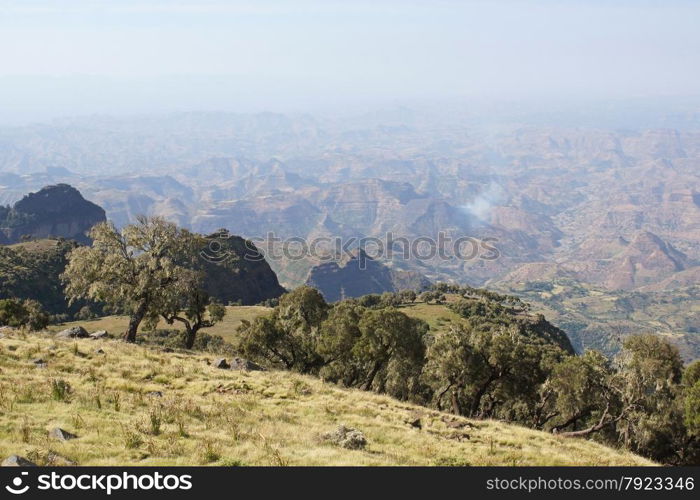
236,271
53,211
361,275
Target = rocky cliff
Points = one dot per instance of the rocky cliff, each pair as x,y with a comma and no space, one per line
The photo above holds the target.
58,211
236,271
361,275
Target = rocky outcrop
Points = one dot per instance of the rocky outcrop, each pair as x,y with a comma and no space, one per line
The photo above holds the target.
361,275
53,211
647,259
73,332
236,271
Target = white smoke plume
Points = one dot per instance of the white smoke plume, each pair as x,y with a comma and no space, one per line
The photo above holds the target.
480,207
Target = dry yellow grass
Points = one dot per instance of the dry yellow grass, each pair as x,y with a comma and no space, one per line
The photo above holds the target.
116,325
437,316
224,417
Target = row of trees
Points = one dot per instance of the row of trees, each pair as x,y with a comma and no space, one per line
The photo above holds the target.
32,272
371,348
498,362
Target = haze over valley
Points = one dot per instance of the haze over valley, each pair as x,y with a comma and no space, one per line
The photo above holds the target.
615,211
331,233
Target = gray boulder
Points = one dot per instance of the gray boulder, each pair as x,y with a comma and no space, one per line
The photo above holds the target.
99,334
244,364
16,461
416,423
73,332
221,363
346,437
60,434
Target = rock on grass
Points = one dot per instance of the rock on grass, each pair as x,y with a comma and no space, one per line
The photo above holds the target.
346,437
16,461
60,434
73,332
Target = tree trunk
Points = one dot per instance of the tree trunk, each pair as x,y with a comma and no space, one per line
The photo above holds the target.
135,321
602,423
572,421
585,432
456,407
476,402
190,336
375,369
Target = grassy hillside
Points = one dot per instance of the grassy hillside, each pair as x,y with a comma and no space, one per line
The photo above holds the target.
205,415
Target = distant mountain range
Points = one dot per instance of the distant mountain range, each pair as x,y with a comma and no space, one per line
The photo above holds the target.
612,210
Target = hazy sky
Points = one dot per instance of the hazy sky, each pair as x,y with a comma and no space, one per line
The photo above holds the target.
75,57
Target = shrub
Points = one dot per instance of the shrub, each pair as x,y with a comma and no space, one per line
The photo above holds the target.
85,313
25,314
59,390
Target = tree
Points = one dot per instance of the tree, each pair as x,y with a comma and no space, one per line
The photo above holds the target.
37,319
390,352
192,307
370,300
12,313
691,384
650,372
390,299
85,313
133,270
691,373
489,369
35,274
432,296
289,336
339,333
408,296
692,409
579,389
